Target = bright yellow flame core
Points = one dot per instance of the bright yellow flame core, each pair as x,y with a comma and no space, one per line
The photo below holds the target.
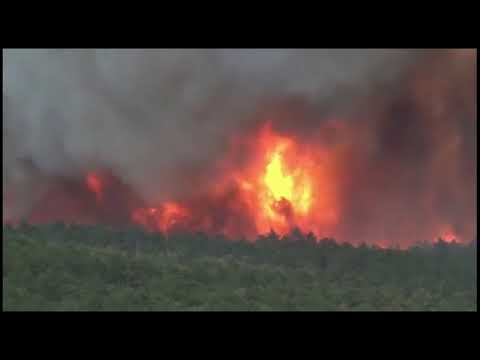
281,183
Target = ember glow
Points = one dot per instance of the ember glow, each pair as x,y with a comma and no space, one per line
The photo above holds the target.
161,218
448,235
94,183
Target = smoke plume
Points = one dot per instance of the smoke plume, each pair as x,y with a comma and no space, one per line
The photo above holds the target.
399,127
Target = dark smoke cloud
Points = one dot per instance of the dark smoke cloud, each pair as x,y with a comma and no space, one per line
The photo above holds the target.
158,118
147,114
419,177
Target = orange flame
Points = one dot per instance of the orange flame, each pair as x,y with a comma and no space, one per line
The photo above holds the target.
281,189
162,218
448,235
285,185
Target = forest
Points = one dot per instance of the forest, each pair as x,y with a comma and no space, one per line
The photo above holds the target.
60,267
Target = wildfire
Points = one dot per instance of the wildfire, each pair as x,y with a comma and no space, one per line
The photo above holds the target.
162,218
94,183
284,192
283,184
449,236
275,191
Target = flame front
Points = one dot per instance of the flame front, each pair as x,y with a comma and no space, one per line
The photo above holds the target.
288,191
277,190
279,184
283,183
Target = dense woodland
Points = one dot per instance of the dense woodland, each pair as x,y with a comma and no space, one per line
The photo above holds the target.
67,267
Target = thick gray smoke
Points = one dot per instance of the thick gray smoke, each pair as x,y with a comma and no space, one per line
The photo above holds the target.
403,142
149,114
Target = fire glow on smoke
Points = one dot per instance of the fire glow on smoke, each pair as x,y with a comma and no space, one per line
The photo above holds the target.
281,189
384,167
283,185
286,186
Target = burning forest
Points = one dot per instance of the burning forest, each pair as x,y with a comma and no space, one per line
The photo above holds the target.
364,146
